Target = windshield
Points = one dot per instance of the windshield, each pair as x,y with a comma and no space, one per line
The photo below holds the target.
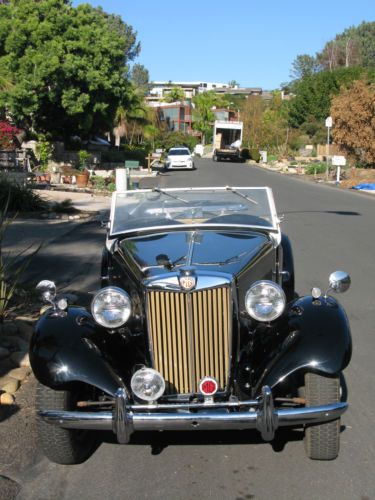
178,152
142,210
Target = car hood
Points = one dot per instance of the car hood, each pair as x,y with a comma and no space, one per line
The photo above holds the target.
224,251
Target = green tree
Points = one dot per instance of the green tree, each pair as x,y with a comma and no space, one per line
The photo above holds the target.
355,46
313,94
303,65
140,78
275,125
252,118
67,66
130,118
203,115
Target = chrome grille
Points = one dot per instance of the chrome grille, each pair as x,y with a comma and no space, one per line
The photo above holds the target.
190,336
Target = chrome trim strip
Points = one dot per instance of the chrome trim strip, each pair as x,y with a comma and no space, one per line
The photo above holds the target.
194,406
192,373
185,227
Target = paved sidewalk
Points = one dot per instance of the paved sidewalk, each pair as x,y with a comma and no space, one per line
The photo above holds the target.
83,201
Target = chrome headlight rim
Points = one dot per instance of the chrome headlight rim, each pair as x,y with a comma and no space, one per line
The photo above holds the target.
278,311
126,307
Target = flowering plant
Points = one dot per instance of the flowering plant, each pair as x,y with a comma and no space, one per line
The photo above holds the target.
7,133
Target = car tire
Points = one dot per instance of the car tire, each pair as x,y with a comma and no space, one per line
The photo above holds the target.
62,446
322,442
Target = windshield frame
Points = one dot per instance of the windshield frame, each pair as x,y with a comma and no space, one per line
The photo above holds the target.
274,228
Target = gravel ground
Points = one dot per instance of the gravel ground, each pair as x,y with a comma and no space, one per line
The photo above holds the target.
18,439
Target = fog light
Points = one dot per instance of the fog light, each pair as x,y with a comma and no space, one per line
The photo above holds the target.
147,384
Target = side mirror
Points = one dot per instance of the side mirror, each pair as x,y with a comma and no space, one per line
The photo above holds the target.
47,290
339,281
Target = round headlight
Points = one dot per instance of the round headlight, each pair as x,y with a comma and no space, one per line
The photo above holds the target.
111,307
147,384
265,301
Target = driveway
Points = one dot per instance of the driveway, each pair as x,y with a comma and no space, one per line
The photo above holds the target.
330,229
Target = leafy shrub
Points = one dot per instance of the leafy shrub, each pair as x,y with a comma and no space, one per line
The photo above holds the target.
272,158
172,139
99,182
127,152
245,153
21,198
113,156
44,150
254,154
316,168
12,267
362,164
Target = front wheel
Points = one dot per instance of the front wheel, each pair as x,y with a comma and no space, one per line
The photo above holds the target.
322,442
62,446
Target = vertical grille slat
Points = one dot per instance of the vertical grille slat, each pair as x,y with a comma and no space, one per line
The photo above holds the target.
190,336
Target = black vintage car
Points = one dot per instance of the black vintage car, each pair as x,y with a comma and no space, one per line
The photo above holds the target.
196,327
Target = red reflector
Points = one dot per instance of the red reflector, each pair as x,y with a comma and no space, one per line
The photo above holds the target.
208,386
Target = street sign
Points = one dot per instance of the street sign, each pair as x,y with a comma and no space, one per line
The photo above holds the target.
338,161
329,122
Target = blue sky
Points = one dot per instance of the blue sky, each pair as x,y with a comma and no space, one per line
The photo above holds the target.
253,42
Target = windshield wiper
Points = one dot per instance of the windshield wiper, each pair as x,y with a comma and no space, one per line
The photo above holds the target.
242,195
161,191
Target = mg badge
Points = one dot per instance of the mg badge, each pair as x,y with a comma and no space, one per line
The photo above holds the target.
187,280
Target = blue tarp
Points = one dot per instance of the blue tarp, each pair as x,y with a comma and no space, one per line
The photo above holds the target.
368,187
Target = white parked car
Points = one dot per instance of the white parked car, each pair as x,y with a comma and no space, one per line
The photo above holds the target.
179,157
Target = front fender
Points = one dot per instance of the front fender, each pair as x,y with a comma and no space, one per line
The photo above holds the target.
319,340
63,349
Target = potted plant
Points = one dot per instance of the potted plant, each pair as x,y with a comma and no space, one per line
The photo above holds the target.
83,175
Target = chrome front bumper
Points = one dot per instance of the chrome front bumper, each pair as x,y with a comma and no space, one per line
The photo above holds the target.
258,414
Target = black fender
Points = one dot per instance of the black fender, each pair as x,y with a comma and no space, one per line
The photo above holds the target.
63,350
106,267
288,266
318,340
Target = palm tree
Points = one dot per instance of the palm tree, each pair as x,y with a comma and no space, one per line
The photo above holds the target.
130,118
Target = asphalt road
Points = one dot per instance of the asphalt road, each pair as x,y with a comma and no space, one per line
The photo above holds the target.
330,229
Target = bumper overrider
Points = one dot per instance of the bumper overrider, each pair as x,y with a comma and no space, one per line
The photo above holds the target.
259,414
